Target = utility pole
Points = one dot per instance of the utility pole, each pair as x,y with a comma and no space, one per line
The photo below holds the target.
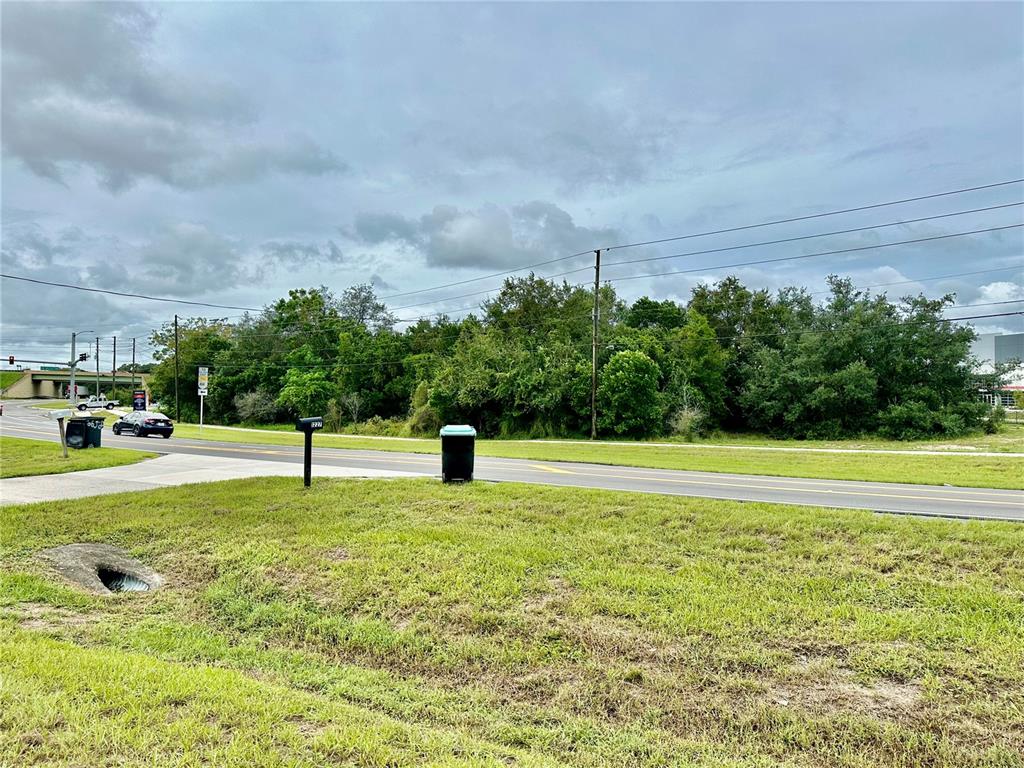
593,363
113,367
176,402
97,366
73,393
133,366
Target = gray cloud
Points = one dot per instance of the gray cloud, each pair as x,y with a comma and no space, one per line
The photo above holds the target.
235,115
581,143
489,237
182,259
296,253
26,245
82,89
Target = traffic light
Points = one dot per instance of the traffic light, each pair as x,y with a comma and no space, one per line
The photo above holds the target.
10,360
81,358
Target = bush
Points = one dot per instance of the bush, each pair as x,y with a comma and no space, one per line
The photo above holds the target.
334,416
688,422
628,398
256,407
375,426
907,421
425,421
995,420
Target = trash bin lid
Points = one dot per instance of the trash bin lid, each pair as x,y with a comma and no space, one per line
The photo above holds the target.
458,430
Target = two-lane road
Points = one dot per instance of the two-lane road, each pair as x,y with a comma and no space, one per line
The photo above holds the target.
943,501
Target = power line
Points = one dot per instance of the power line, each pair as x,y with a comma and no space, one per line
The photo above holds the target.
811,237
126,295
813,255
708,233
721,266
721,250
816,215
581,253
933,278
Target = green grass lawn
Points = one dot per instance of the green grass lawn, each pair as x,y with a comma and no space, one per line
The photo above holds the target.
402,622
977,471
20,457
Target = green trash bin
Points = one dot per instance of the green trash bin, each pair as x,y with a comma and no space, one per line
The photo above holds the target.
94,431
76,433
458,447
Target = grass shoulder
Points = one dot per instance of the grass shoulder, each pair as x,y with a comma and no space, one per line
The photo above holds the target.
20,457
399,622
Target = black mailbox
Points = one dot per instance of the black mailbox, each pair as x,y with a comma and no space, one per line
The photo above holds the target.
308,427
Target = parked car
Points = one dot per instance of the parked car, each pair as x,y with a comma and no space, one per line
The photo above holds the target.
143,424
97,404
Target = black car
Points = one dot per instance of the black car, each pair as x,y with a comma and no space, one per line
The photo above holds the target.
143,424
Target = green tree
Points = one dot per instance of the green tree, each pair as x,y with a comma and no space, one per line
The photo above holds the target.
628,399
200,341
307,386
697,362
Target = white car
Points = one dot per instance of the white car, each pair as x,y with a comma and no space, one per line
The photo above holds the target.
96,404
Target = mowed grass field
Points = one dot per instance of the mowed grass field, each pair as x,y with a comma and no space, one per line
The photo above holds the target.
402,622
20,457
1004,471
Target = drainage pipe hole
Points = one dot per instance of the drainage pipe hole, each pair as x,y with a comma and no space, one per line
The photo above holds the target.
117,581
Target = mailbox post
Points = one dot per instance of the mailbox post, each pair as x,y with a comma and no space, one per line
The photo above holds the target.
308,427
59,417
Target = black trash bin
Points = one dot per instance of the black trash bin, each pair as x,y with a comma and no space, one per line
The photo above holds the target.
458,447
76,433
94,431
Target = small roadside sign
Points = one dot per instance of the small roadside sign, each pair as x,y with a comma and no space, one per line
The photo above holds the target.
204,380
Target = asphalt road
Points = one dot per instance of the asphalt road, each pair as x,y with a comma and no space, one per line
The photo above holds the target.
941,501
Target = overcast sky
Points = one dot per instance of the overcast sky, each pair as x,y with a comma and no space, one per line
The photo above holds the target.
225,153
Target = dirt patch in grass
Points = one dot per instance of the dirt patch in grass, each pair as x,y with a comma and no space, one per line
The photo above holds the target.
841,693
43,617
556,597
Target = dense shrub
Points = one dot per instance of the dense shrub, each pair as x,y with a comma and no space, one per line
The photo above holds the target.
627,395
256,407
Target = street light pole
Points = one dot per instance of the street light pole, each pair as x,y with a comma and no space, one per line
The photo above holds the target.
74,363
74,366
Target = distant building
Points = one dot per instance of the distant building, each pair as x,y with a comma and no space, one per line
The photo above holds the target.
993,348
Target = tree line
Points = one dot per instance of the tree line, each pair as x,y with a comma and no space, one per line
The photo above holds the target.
732,358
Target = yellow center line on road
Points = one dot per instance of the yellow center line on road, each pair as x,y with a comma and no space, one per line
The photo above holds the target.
548,468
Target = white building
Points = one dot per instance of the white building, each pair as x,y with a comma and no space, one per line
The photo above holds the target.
992,348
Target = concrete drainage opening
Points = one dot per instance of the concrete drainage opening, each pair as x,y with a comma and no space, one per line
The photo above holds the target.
102,568
116,581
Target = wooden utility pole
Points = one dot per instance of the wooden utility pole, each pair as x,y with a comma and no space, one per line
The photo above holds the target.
177,415
593,363
133,366
113,368
97,393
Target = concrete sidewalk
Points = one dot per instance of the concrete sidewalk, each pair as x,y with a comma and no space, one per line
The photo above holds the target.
172,469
